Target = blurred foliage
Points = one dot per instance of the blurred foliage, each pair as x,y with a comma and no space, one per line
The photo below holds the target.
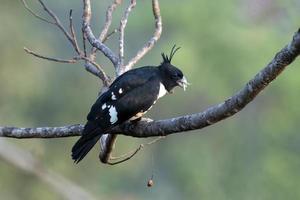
253,155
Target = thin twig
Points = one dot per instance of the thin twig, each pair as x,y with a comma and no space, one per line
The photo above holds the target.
148,46
91,37
127,158
109,35
70,61
131,154
103,35
99,72
84,42
58,23
108,19
122,27
35,14
73,34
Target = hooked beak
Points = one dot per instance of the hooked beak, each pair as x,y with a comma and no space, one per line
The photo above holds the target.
183,83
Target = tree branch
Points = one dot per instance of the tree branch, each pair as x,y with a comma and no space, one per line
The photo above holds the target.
87,12
58,23
73,35
90,65
148,46
35,14
212,115
70,61
103,35
123,24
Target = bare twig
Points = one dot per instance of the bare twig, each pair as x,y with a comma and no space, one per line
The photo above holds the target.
58,23
70,61
123,24
109,35
84,42
90,65
108,19
35,14
148,46
91,37
110,162
103,35
73,34
131,154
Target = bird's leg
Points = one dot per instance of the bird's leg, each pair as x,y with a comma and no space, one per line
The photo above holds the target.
135,121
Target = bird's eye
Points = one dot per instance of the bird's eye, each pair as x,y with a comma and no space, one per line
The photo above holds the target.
174,76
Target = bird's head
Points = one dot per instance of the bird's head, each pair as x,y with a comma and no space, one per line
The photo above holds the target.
171,75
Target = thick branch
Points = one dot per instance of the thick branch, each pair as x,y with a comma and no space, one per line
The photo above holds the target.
212,115
42,132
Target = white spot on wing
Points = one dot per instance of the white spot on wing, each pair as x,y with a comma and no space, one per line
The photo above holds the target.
113,115
162,91
103,106
120,91
113,97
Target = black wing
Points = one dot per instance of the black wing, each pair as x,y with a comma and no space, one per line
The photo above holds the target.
128,94
138,100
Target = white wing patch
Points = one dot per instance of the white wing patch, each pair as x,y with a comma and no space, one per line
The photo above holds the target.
120,91
113,97
162,91
103,106
113,115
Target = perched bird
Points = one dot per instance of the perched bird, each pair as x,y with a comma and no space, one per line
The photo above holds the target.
129,97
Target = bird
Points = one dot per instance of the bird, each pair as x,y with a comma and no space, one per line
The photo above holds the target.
128,98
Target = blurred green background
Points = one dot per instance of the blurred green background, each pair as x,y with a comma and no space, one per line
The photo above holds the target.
253,155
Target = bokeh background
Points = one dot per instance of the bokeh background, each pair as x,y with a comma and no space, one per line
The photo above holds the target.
253,155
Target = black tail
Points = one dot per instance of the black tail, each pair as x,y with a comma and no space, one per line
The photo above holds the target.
86,142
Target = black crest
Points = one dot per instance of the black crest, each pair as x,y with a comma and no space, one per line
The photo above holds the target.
168,59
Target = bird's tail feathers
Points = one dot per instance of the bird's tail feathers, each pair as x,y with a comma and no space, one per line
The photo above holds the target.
86,142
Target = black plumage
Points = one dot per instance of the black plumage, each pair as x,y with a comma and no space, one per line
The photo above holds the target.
129,97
